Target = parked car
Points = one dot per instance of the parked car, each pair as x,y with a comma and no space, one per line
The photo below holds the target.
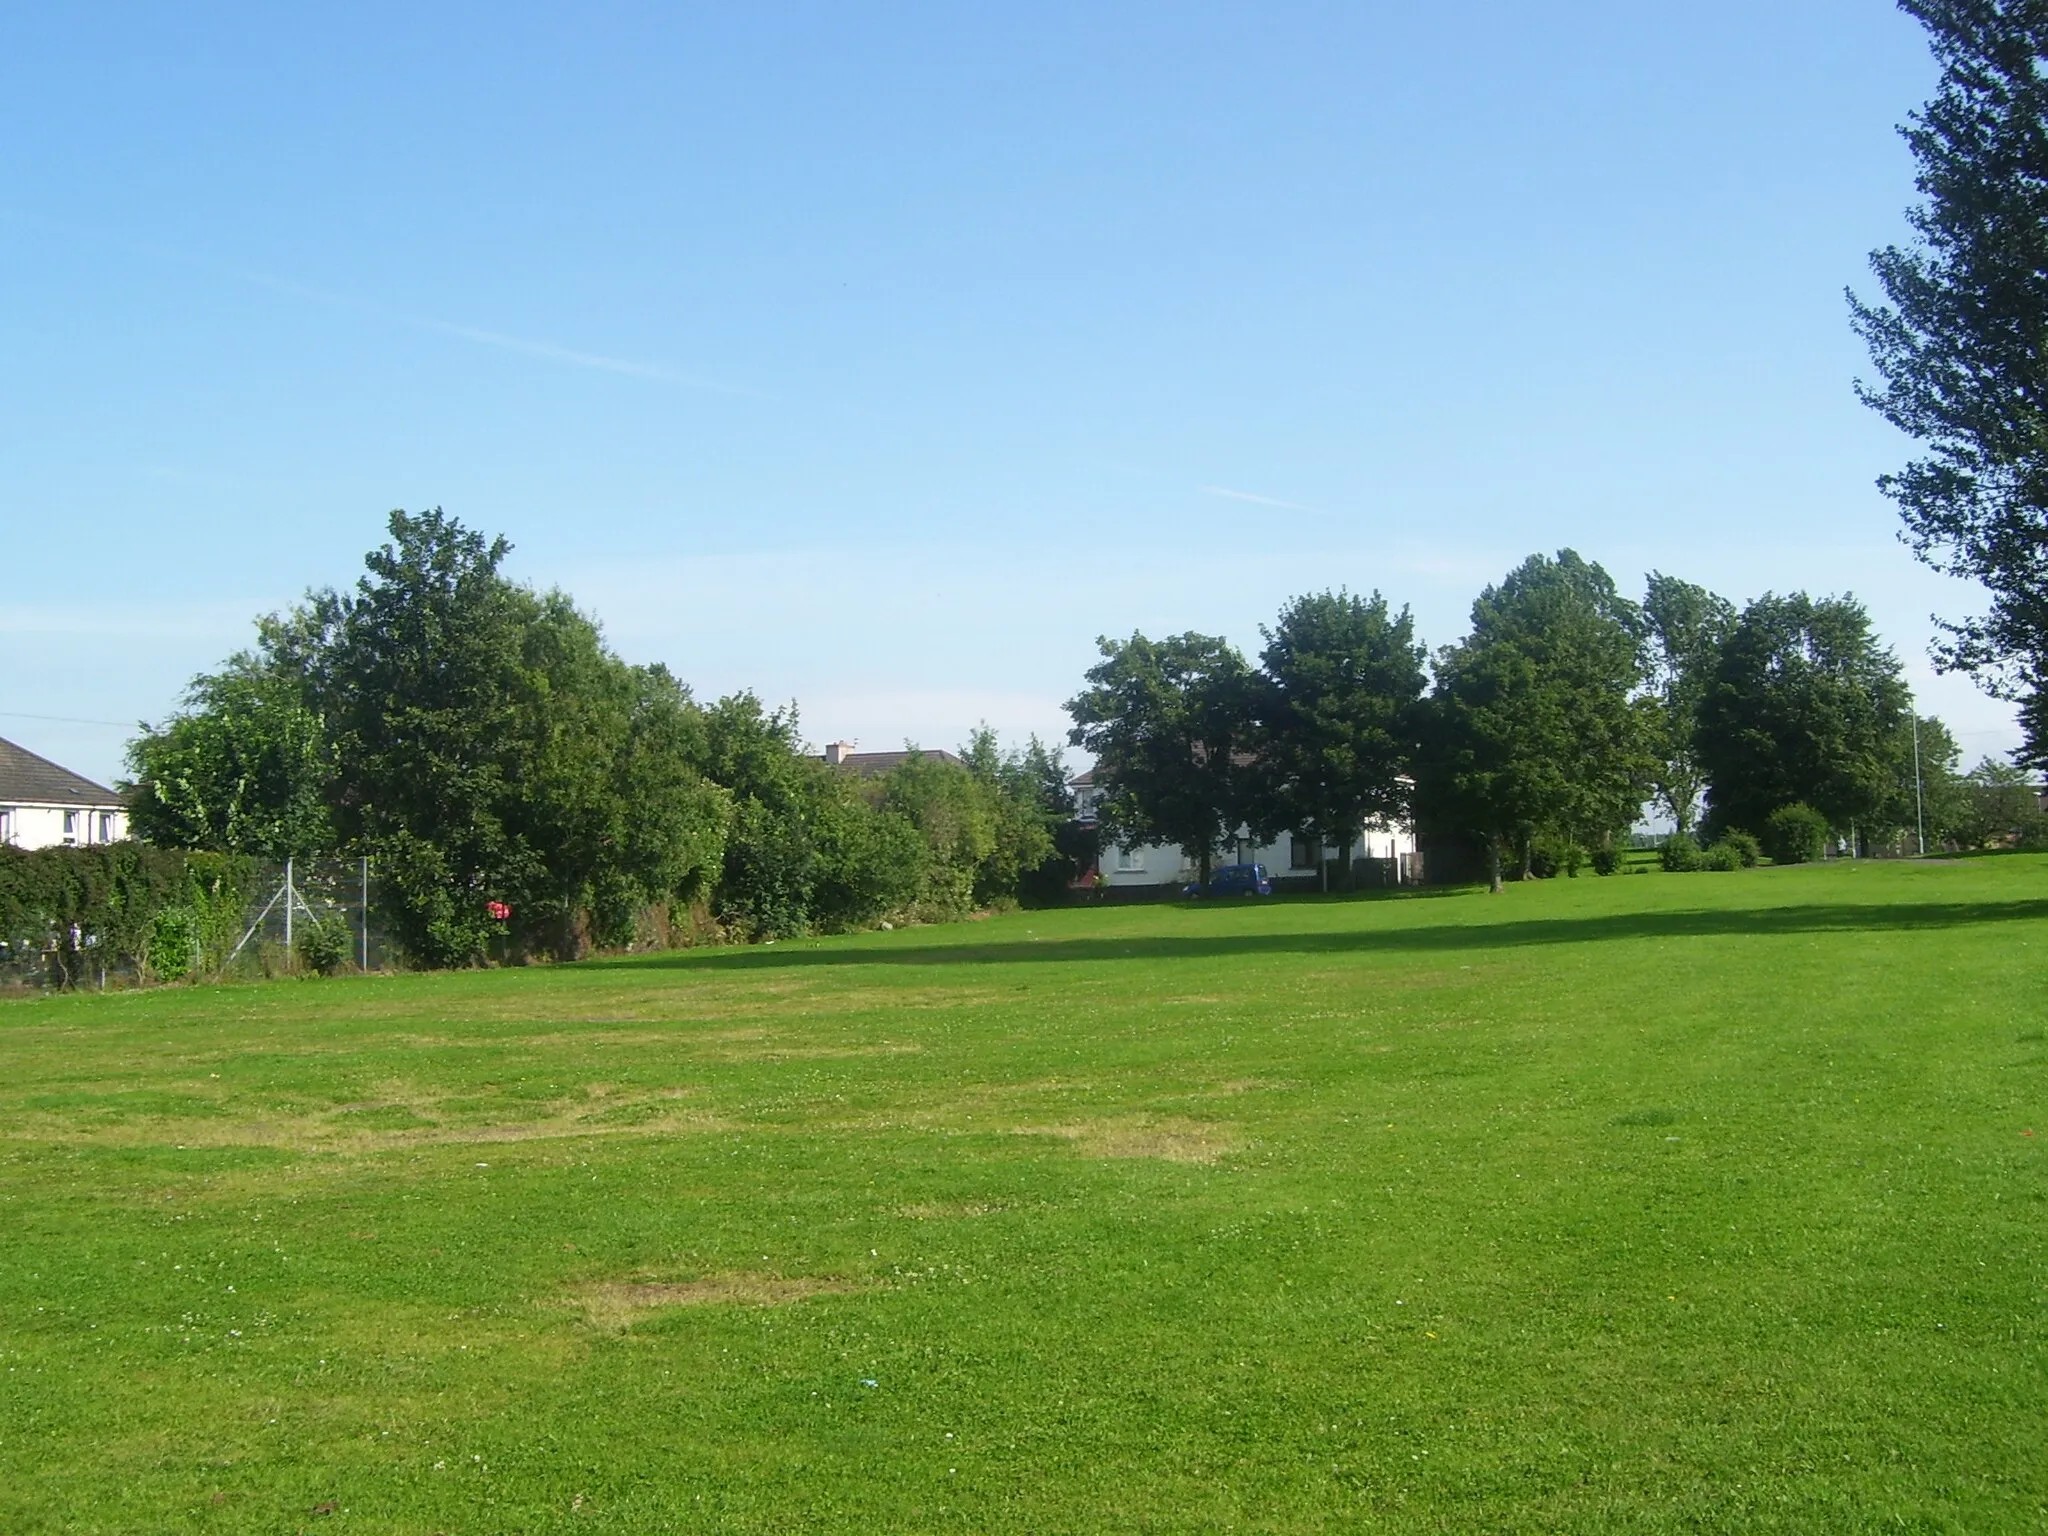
1234,880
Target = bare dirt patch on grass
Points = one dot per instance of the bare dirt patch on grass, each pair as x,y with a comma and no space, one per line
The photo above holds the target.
617,1305
1170,1138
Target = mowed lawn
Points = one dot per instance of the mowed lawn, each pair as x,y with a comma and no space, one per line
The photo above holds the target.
1688,1203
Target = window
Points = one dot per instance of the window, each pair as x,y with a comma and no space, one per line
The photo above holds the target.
1128,859
106,826
71,826
1305,853
6,823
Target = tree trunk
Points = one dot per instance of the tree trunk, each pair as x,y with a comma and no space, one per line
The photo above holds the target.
1493,864
1202,867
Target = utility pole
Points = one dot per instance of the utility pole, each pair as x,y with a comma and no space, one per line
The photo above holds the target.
1919,801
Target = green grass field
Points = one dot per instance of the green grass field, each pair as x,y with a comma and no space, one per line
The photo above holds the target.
1688,1203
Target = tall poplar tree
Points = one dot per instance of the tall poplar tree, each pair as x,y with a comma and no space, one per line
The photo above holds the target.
1962,342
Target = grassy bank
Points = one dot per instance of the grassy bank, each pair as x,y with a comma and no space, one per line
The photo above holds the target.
1710,1202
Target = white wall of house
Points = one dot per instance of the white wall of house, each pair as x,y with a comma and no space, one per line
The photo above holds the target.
1156,864
54,826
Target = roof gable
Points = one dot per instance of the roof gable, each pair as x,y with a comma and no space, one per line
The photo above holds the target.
26,779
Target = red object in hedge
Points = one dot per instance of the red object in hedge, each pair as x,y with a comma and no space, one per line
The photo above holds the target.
498,910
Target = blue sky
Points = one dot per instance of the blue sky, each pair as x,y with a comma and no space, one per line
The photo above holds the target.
881,358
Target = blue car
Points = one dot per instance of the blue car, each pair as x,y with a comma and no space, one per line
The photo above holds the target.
1234,880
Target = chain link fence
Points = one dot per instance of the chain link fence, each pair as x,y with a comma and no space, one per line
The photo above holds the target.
316,916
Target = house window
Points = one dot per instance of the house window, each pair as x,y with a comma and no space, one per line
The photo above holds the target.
1129,859
106,826
71,826
1305,853
6,823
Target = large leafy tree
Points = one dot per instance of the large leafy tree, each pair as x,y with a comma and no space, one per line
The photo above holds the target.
1962,343
243,767
1805,707
1533,729
1168,722
1686,625
1340,683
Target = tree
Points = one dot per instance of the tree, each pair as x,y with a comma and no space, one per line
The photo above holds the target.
244,767
1687,624
488,748
1962,344
1028,801
1532,728
1340,683
2000,806
1805,707
1167,721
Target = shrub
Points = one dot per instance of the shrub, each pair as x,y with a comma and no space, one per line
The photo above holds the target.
1721,858
174,943
1679,854
1607,860
323,947
1795,834
1748,851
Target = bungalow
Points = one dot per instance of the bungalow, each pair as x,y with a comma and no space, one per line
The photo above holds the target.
1384,854
45,806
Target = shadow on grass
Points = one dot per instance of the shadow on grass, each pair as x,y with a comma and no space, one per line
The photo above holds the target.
1891,917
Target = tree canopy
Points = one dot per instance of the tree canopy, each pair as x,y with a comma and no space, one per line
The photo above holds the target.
1806,707
1533,729
1341,679
1168,722
1962,343
1686,625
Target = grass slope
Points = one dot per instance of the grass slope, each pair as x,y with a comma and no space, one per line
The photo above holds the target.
1703,1203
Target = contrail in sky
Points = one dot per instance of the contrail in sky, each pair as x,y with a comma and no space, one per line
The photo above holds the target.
547,351
1264,501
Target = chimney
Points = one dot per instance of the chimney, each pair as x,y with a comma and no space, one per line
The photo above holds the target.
837,752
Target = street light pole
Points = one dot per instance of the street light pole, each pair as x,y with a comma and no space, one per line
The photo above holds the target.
1919,801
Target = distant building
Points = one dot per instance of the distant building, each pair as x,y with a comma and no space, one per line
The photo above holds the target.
870,765
43,805
1384,854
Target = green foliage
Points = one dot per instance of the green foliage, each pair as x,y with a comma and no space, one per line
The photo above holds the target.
1026,799
1795,834
1338,694
1722,856
1998,806
1168,722
1959,345
473,737
108,906
1742,847
1680,853
1687,625
324,947
1806,707
244,767
1532,728
1606,859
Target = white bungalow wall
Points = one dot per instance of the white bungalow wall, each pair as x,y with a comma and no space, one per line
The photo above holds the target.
1157,864
47,826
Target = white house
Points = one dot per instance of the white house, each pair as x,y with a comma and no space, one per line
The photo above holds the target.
45,806
1391,851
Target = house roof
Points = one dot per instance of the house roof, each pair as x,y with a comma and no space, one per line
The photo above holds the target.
873,764
1083,780
26,779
